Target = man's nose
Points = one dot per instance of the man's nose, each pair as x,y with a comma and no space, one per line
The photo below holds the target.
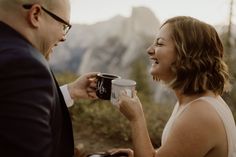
63,39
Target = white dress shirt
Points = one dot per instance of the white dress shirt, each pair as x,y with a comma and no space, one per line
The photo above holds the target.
69,101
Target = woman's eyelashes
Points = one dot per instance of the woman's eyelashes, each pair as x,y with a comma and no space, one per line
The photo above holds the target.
158,42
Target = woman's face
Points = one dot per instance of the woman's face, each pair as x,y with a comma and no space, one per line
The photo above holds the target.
162,53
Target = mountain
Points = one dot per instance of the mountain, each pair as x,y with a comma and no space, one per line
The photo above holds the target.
108,46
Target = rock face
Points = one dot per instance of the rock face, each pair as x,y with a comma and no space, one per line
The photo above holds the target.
108,46
119,42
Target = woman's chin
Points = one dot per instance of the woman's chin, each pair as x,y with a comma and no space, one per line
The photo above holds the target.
153,72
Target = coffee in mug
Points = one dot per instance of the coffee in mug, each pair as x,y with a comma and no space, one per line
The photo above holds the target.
103,90
119,85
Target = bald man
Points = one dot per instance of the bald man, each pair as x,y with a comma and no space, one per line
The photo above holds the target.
34,119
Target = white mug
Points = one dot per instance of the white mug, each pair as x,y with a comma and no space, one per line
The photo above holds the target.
118,85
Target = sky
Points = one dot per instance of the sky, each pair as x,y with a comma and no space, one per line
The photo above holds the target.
92,11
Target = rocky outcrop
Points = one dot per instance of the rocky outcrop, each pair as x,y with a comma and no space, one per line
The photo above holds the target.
108,46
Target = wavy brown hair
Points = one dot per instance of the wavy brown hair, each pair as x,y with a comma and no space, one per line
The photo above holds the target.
199,65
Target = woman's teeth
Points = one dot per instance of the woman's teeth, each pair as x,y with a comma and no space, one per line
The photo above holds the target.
155,61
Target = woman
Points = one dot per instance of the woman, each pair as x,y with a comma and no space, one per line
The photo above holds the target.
187,56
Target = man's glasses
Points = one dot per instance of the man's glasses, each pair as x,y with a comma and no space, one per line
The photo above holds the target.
66,25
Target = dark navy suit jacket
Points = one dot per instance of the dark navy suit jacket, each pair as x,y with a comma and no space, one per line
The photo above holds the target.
34,119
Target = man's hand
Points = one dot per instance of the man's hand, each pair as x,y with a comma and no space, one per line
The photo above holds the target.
84,87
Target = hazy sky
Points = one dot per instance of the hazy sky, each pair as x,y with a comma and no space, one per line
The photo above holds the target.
92,11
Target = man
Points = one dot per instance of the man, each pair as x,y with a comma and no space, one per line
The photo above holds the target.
34,119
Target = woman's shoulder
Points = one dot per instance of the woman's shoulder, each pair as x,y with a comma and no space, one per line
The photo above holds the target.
199,127
202,120
201,112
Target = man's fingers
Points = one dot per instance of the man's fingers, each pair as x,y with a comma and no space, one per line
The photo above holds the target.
92,75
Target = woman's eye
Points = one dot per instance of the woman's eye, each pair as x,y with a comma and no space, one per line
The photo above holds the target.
159,44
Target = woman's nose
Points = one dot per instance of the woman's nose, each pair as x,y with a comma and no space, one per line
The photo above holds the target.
150,50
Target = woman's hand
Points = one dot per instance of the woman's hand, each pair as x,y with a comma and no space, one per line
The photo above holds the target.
127,151
131,108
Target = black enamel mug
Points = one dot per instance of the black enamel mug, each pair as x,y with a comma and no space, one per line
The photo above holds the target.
103,90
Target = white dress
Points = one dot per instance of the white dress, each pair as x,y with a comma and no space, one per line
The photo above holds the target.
223,111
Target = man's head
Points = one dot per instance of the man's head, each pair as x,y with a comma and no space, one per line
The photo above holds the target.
44,23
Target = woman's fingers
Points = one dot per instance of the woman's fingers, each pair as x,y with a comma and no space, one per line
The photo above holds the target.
121,151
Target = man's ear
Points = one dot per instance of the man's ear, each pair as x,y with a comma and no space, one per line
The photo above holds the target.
34,15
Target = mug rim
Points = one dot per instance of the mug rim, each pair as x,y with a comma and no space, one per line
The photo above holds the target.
123,82
107,75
